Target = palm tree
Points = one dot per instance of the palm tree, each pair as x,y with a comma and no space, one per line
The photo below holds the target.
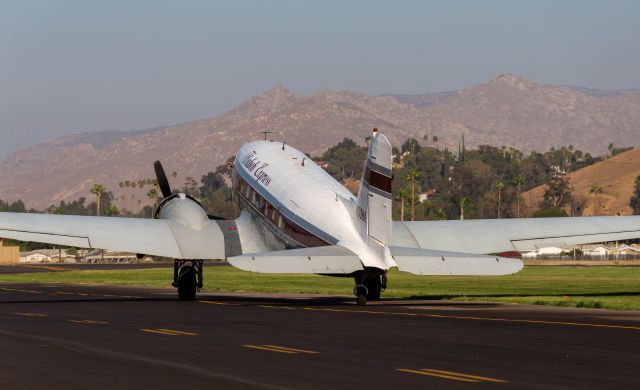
518,181
499,187
595,190
462,201
402,195
153,194
98,190
412,176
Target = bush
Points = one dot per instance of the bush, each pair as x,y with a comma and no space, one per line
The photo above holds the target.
549,213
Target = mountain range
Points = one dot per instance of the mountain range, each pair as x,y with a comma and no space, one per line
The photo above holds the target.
507,110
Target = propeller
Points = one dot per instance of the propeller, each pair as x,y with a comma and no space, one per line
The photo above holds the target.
163,183
165,188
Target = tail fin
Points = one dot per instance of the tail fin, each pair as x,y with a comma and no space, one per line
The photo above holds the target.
373,207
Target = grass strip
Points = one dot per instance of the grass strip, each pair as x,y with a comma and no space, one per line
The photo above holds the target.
596,287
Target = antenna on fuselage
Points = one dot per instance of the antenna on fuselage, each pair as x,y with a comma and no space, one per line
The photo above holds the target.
265,133
284,143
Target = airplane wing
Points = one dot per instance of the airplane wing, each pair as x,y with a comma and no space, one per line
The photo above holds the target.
429,262
323,260
523,234
156,237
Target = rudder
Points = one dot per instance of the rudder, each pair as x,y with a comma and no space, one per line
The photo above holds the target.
373,207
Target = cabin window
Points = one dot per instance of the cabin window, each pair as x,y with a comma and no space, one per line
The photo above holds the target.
280,222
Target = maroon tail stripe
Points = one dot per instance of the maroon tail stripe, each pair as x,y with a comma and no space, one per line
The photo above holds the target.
377,180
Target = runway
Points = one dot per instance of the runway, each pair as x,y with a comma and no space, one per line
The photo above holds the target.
80,336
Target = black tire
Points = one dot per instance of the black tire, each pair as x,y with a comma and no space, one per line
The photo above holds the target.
374,287
187,284
361,300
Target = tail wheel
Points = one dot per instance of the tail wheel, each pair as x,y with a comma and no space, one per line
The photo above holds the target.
187,285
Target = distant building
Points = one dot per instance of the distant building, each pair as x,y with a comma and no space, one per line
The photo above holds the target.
47,256
9,254
599,250
551,251
321,163
426,195
37,256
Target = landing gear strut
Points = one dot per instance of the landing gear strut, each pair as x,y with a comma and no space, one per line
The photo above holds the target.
187,277
369,285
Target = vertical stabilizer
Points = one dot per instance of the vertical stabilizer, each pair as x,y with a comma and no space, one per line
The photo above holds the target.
373,208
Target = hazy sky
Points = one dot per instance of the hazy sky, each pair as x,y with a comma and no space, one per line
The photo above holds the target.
78,66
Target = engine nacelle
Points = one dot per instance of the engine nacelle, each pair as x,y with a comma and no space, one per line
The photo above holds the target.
184,210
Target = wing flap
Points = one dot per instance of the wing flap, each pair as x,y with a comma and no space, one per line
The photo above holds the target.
430,262
156,237
499,235
326,260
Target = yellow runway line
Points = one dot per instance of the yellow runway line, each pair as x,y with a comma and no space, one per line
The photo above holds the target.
220,303
497,319
455,378
157,331
277,307
21,290
481,378
178,332
268,349
289,349
31,314
169,332
88,322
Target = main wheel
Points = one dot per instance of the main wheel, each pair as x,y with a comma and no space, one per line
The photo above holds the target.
187,284
374,287
361,300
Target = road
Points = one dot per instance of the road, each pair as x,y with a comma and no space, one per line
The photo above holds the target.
104,337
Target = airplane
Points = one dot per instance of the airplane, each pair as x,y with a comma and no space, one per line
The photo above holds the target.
296,218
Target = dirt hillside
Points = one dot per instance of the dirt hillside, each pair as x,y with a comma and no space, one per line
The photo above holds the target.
615,175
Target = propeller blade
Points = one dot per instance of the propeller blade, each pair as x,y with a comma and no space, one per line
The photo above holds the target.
162,179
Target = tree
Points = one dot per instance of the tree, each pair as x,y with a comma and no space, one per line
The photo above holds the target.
345,160
611,148
112,210
412,176
98,190
153,195
518,181
439,215
595,190
401,196
500,186
634,202
462,201
558,193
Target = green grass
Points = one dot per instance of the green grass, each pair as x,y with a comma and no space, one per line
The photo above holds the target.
599,287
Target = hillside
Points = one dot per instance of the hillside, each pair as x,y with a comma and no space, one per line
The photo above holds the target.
507,110
615,175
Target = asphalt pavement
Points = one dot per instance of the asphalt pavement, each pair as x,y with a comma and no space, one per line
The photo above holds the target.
101,337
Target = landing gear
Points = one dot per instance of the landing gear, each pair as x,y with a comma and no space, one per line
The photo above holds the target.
369,285
187,277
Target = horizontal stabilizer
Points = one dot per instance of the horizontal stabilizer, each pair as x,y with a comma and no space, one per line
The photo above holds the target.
319,260
430,262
